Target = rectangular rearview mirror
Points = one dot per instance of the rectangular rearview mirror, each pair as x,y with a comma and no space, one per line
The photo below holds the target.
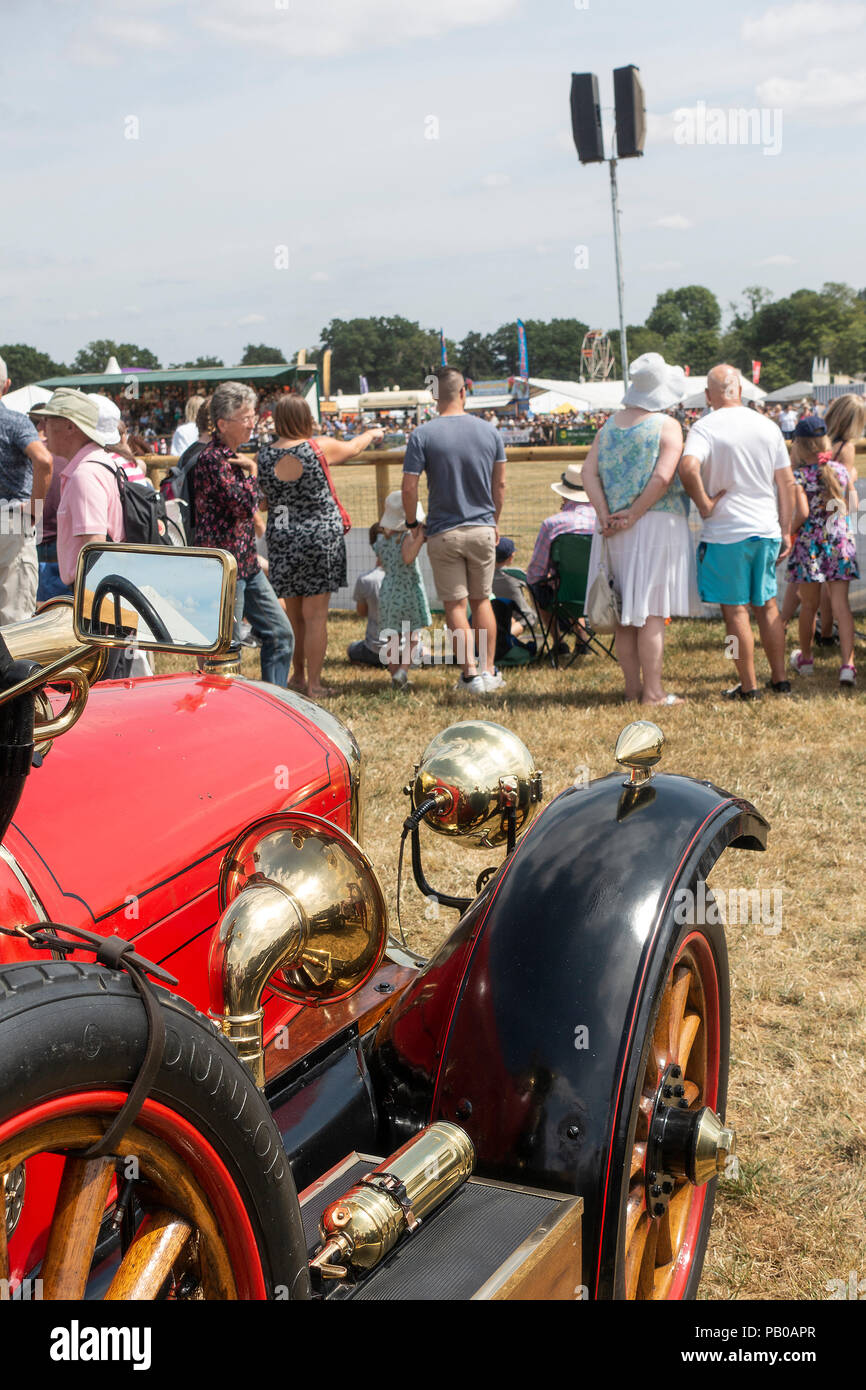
156,597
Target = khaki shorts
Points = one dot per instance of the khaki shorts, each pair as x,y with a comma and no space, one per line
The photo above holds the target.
463,561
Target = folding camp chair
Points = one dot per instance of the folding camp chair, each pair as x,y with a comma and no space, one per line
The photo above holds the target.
569,559
522,651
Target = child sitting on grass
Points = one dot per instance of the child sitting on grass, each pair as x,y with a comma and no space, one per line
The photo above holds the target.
823,552
403,607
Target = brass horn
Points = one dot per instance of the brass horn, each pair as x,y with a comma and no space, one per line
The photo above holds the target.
477,770
303,913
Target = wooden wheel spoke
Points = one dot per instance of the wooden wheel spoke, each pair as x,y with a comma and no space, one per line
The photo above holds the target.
692,1092
662,1279
648,1264
638,1158
659,1050
679,997
81,1199
635,1208
147,1263
678,1215
664,1247
688,1033
635,1254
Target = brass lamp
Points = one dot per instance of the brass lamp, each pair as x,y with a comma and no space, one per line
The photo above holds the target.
478,771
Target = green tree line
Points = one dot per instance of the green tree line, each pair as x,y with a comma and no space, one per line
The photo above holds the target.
685,325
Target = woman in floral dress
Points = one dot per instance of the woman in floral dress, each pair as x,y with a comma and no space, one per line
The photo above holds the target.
824,552
403,608
305,531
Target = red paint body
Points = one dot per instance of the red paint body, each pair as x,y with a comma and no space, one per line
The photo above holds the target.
123,828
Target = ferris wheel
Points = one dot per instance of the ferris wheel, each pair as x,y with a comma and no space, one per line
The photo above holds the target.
596,356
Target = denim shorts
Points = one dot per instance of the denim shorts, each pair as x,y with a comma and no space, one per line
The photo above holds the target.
741,572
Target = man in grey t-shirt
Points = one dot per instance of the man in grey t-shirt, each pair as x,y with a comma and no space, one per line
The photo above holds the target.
464,460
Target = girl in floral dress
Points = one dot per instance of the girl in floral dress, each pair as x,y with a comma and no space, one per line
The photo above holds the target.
403,607
823,550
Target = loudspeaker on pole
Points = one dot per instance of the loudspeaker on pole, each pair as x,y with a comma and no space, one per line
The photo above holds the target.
586,118
630,112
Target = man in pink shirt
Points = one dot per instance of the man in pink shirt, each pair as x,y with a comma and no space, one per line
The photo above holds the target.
89,507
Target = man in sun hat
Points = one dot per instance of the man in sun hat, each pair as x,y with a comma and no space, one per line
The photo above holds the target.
576,513
89,508
25,473
735,468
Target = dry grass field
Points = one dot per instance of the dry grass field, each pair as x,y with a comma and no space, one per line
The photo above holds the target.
796,1217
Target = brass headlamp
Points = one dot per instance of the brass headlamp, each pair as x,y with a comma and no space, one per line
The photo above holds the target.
480,774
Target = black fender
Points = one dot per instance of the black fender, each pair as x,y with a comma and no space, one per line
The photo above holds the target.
519,1028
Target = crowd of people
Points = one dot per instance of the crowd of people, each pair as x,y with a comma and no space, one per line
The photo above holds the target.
259,484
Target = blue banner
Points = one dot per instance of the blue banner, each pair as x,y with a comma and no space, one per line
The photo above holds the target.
443,351
522,353
363,386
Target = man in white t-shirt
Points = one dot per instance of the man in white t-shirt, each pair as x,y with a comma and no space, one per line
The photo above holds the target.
735,468
788,422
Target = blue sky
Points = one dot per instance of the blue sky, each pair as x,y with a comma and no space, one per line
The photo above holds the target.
264,124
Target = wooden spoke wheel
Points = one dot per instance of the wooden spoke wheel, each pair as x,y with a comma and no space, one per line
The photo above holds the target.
173,1245
665,1208
197,1201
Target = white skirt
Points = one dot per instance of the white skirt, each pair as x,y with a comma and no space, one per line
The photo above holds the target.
652,566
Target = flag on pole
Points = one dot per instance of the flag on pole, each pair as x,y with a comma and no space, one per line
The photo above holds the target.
443,351
363,386
687,370
522,353
756,372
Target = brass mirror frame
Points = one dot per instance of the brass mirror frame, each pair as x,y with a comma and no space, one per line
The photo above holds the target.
226,608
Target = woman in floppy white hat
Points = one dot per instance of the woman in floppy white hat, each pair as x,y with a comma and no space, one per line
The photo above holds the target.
630,477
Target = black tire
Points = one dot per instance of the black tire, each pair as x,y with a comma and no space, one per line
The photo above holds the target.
612,1261
68,1028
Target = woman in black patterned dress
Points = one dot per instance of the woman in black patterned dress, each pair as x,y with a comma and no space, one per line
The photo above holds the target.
306,549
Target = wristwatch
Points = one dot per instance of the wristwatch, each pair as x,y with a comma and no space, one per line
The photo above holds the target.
412,524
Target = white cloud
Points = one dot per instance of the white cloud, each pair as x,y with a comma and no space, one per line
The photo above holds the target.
662,265
674,223
827,93
319,277
790,26
250,318
659,128
496,180
331,27
137,32
779,260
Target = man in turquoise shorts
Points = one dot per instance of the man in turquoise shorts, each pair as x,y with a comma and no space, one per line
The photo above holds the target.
735,468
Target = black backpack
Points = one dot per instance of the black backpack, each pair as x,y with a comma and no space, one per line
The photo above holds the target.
145,520
177,486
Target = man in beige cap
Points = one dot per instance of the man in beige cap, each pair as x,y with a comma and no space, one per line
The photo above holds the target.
25,472
89,508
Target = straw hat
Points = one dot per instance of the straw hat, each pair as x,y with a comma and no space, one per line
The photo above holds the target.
654,385
82,410
393,517
571,486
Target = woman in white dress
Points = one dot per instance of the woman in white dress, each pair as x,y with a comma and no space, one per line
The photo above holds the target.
630,476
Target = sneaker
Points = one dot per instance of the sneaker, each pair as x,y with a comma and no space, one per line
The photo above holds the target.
492,681
474,686
801,665
779,687
847,676
738,693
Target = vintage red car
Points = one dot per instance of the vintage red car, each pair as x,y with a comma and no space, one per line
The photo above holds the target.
537,1111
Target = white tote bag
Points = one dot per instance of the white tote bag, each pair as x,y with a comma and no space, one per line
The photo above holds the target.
602,609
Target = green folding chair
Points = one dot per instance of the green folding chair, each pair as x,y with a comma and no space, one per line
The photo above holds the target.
569,559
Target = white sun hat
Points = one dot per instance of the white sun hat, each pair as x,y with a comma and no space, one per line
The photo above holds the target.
109,417
393,517
654,385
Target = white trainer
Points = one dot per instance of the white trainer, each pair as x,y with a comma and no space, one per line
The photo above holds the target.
473,687
801,665
493,681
